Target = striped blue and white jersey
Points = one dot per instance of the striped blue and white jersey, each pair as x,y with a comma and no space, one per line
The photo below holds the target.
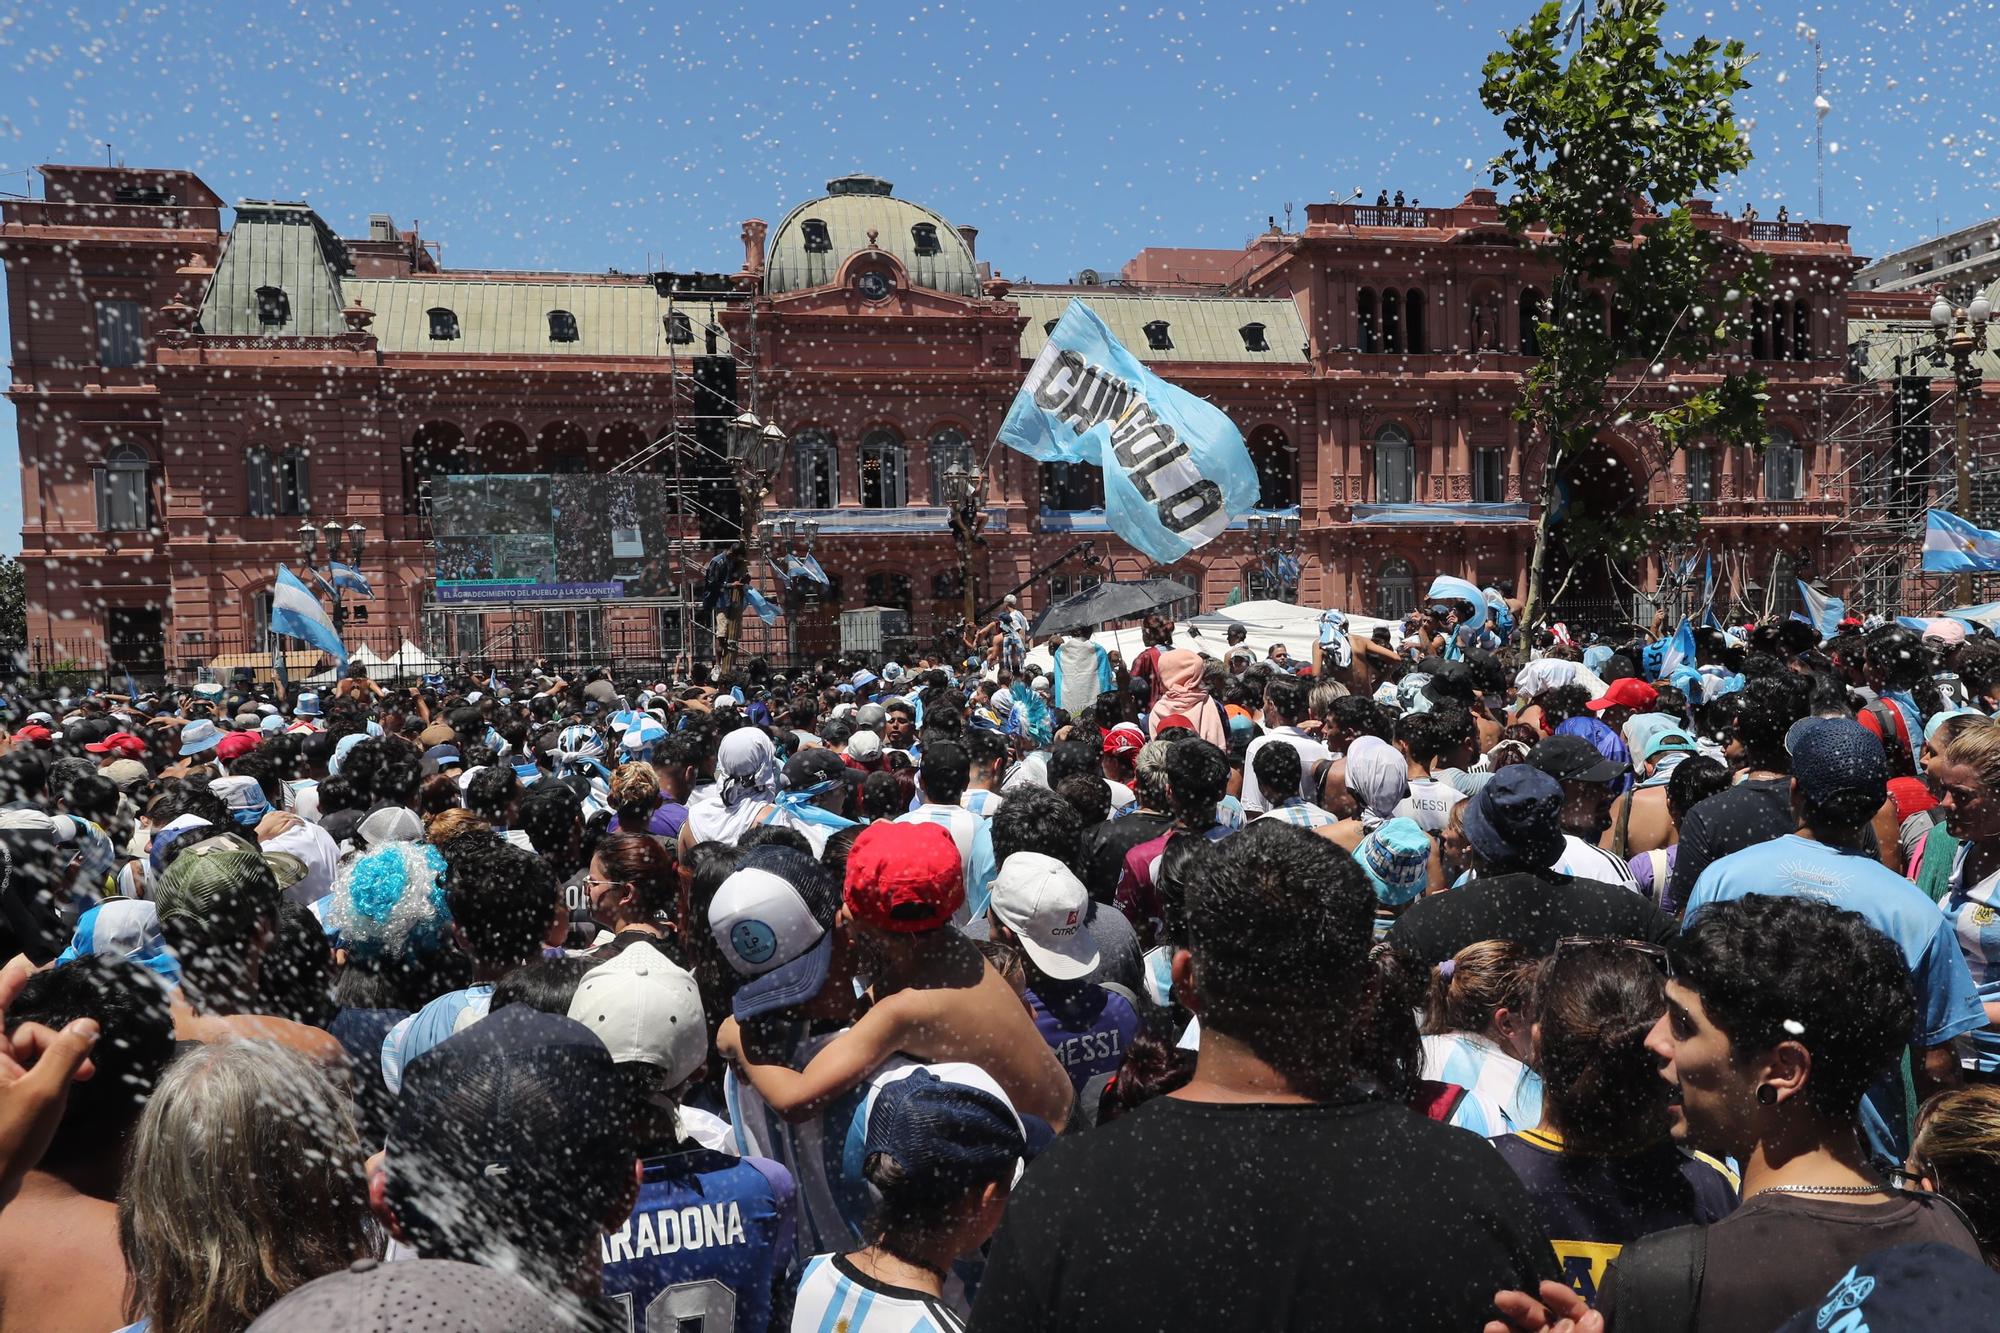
1502,1095
442,1018
835,1295
981,801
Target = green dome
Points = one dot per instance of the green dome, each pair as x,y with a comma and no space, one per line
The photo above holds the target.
816,238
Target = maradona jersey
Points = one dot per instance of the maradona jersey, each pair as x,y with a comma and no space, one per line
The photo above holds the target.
707,1245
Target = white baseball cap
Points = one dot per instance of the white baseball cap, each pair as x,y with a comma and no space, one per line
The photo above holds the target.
865,746
1042,902
646,1009
772,921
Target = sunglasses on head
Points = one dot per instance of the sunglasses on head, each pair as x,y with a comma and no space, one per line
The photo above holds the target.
1653,953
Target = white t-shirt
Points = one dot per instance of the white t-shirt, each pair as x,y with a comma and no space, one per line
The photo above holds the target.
1310,753
1429,803
1579,858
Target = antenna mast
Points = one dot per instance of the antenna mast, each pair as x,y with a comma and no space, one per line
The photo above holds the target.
1820,107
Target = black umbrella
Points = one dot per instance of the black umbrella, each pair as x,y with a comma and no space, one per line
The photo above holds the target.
1108,602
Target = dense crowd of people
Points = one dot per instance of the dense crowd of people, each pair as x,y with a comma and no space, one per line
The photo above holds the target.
1445,980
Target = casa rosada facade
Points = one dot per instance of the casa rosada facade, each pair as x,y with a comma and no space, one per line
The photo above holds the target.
192,385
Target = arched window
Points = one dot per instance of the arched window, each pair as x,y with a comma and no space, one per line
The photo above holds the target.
124,499
1784,590
1784,466
1532,314
1364,320
1413,322
818,240
1802,348
888,589
562,326
949,449
815,469
291,483
1395,589
437,449
680,329
1781,330
882,470
1392,321
444,324
259,640
1395,467
1760,331
924,236
1277,468
1701,475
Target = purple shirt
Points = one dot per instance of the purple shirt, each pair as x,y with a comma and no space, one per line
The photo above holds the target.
1087,1026
665,823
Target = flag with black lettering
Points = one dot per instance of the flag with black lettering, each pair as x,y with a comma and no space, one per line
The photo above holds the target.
1176,470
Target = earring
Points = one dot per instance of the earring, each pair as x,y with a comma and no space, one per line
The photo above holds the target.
1766,1095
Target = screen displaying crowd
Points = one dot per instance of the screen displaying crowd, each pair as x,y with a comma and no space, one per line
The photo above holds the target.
1446,980
590,528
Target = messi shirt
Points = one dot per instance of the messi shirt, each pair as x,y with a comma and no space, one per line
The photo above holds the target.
1593,1207
709,1241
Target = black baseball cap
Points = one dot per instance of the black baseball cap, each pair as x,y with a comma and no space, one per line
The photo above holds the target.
1573,759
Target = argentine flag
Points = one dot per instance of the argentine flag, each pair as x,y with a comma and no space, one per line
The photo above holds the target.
350,578
297,613
1954,546
1680,650
1823,610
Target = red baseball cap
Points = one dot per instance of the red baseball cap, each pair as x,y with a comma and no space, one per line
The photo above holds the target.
1630,692
904,877
234,744
38,734
119,742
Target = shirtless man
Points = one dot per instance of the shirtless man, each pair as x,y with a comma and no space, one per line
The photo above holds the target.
934,997
1640,821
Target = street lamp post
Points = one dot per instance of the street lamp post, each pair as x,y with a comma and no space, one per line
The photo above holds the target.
1957,335
1275,541
965,492
788,538
335,554
756,451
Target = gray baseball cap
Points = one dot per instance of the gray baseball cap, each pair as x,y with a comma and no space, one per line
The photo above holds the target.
413,1296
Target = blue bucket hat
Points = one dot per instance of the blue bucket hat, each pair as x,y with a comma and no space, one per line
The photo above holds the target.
199,737
1396,858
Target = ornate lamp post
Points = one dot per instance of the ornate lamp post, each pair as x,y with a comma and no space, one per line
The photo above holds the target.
965,492
309,549
788,539
756,452
1275,540
1957,336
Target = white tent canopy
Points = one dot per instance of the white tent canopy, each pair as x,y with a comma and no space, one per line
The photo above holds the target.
407,662
1266,623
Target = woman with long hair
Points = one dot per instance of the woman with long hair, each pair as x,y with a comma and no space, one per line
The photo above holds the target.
1601,1165
244,1181
634,892
1477,1036
1956,1153
1968,782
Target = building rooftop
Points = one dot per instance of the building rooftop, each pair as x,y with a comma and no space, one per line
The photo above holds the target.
1198,328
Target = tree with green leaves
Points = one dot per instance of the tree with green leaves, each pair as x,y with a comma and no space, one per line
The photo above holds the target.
1608,127
13,603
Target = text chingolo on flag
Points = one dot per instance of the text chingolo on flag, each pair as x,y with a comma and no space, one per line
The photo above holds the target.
1176,470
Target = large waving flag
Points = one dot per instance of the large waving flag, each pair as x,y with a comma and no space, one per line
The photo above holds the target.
1176,470
1461,590
1823,610
1954,546
760,604
296,612
1680,650
350,578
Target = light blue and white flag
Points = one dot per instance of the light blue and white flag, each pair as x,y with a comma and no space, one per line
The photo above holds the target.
806,567
1680,650
1461,590
1954,546
1176,470
1823,610
295,612
1708,592
349,578
760,604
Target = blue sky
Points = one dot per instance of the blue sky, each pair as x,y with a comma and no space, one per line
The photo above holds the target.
586,136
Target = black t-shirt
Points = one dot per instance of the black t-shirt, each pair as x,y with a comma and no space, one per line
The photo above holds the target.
1197,1215
1594,1206
1105,846
1778,1253
1534,909
1753,811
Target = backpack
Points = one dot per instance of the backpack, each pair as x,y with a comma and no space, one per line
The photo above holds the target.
1889,722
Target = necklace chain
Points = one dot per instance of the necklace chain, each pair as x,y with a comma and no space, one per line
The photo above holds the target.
1824,1189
